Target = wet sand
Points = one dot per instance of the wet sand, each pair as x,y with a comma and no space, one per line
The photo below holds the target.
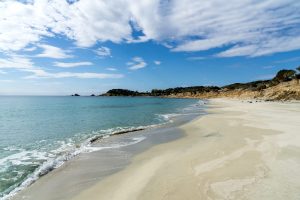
88,169
240,150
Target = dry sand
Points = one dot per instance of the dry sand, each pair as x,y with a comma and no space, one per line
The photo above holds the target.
239,150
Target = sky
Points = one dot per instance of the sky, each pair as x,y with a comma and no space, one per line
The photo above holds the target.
61,47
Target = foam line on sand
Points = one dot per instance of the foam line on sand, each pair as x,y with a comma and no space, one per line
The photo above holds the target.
239,150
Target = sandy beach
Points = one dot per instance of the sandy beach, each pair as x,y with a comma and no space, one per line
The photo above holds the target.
239,150
149,100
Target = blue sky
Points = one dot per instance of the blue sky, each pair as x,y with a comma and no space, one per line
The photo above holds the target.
62,47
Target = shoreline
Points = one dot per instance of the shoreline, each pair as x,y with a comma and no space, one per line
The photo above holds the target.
87,146
82,144
109,149
239,150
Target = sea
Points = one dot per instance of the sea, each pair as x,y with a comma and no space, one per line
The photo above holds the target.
39,134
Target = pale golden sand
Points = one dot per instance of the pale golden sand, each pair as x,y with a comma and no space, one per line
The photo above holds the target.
239,151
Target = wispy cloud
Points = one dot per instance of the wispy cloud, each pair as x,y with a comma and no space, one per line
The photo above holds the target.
53,52
111,69
157,62
136,63
72,64
30,48
39,73
103,52
6,81
24,64
196,58
243,28
288,60
242,31
16,62
2,72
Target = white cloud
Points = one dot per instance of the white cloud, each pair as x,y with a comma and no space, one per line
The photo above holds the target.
30,49
245,28
196,58
103,52
239,51
39,73
111,69
26,65
72,64
53,52
2,72
157,62
84,21
21,24
16,62
202,44
294,59
264,48
7,81
136,63
252,28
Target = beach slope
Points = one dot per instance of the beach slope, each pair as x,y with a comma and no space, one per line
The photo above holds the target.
240,150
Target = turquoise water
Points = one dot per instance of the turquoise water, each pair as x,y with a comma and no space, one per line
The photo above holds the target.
38,134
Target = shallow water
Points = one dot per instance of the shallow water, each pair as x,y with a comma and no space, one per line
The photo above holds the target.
38,134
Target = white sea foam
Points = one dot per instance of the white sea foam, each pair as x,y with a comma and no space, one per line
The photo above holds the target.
66,152
135,140
68,149
169,117
190,110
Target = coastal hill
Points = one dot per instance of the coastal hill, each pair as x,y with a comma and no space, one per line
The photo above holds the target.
284,86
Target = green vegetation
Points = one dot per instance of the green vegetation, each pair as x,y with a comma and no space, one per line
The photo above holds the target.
177,90
285,75
122,92
156,92
282,76
254,86
298,75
